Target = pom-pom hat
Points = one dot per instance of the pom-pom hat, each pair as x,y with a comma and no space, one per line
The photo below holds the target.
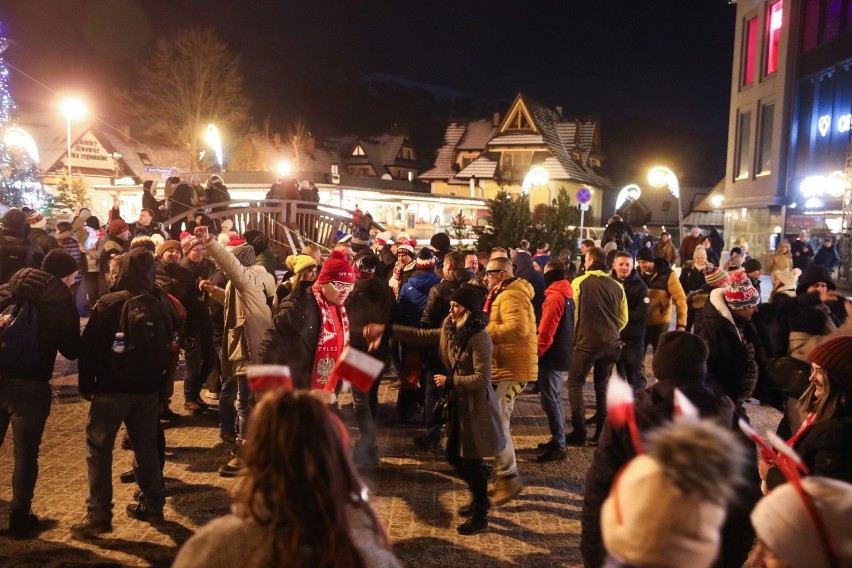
715,276
336,269
740,294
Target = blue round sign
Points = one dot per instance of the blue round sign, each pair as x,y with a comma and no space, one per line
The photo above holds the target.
584,195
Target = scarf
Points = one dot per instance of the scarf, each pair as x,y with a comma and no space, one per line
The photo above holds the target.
328,348
457,338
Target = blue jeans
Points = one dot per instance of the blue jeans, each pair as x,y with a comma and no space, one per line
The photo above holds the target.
140,414
25,405
549,385
235,406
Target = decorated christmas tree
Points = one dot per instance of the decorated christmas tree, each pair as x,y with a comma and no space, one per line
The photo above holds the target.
19,180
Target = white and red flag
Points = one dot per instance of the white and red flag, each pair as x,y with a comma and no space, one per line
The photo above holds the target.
356,367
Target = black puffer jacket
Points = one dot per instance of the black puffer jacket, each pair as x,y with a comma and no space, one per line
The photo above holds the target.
638,306
16,253
372,301
438,302
524,269
654,406
44,241
58,320
292,339
826,449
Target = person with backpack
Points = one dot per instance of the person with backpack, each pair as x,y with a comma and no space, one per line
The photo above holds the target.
37,319
16,251
128,347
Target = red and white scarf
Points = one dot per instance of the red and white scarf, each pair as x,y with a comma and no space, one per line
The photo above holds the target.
328,348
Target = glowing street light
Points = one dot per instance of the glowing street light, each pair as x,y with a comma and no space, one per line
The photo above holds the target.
631,192
16,137
284,168
73,109
214,140
536,176
660,176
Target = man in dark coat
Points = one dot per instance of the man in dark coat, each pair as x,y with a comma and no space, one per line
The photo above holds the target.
37,233
149,201
618,232
827,256
638,305
136,404
16,251
802,251
524,269
25,399
181,203
555,349
371,301
680,362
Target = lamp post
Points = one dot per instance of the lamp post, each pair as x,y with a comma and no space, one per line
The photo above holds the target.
214,140
73,109
660,176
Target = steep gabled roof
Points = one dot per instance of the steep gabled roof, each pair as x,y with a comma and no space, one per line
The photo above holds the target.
443,168
477,135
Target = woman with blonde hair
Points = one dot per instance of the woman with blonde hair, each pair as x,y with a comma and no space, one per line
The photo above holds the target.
301,502
305,271
781,259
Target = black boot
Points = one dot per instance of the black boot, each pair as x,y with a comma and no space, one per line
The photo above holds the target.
475,524
22,523
577,437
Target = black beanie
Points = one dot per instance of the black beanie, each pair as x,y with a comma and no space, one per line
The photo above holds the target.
59,263
644,253
813,274
469,297
553,275
440,242
680,358
93,223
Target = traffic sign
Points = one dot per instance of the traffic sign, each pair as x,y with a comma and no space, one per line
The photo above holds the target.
584,207
584,195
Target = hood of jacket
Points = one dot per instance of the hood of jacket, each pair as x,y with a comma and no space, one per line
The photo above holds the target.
661,265
717,299
423,281
561,287
523,262
36,285
137,272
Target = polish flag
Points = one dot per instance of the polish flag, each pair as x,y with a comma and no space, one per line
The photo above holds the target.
685,411
356,367
267,377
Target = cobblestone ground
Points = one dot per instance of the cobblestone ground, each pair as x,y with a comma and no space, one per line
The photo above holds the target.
414,492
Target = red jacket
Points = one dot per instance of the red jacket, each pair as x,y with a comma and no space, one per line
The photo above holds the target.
551,313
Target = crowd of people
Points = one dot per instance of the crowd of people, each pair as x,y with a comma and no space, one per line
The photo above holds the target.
461,334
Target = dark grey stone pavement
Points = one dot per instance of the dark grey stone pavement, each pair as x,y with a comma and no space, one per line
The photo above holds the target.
414,492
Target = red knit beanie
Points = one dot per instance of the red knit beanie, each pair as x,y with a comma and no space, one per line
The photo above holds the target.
836,356
336,268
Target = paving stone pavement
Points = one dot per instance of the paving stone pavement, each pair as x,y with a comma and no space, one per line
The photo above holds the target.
414,492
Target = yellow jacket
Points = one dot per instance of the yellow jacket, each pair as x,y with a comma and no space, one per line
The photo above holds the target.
511,325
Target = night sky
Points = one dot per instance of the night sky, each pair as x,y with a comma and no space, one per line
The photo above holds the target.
656,73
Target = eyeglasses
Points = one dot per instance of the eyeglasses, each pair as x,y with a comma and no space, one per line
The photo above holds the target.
495,271
342,286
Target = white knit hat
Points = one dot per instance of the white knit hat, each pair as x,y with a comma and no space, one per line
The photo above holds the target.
782,523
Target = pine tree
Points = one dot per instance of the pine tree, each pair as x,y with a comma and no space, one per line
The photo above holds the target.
509,221
72,192
459,226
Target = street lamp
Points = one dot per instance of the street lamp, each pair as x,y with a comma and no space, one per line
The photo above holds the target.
660,176
214,140
631,192
536,176
284,168
73,109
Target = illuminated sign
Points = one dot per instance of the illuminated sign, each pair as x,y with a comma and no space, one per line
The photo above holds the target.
843,124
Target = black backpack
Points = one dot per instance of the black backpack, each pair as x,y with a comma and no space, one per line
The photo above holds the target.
14,255
18,337
150,326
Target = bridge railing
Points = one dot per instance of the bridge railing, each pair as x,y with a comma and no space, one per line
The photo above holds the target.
291,225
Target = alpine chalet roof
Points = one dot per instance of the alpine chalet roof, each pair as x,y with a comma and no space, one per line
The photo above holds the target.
570,144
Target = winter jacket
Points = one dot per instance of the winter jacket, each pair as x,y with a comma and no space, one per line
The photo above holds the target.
40,237
620,233
638,306
802,254
691,278
654,407
665,250
267,260
17,253
663,289
150,202
826,450
217,192
245,301
524,269
136,276
511,326
600,311
292,339
556,328
224,542
732,368
413,295
687,247
474,410
371,301
67,241
438,302
779,261
827,257
57,317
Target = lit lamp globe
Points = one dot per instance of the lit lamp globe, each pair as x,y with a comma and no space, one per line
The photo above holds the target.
284,168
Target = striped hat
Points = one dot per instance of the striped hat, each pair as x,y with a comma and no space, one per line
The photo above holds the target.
715,276
425,259
740,294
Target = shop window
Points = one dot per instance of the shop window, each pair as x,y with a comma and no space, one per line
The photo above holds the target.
742,166
764,142
749,51
773,36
